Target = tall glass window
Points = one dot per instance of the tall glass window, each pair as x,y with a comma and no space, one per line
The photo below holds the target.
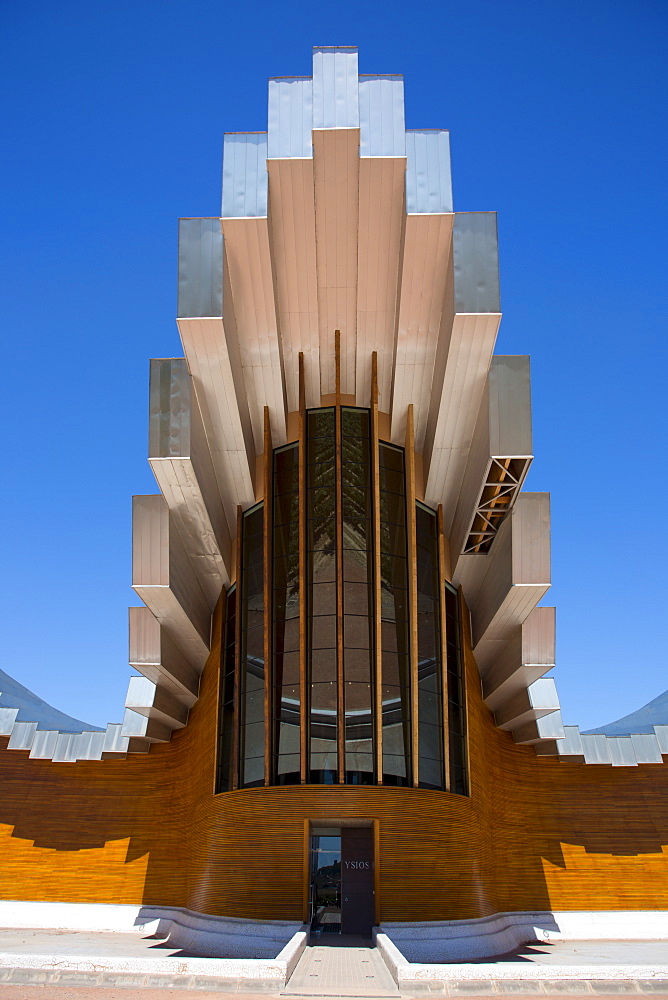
355,631
224,780
430,679
358,675
251,661
285,675
456,695
395,658
321,572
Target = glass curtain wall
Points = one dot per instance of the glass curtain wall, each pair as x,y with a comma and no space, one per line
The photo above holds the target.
430,677
251,658
226,710
358,610
321,605
395,652
456,695
337,693
285,607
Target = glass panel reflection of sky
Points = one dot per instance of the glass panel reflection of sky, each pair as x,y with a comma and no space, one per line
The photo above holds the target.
328,844
325,859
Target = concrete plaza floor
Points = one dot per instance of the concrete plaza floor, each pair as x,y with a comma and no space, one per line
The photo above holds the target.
604,953
78,965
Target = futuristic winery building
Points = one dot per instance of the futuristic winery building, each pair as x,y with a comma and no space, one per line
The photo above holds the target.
340,714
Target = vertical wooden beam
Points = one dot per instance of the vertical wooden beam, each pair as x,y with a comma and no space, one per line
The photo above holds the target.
340,699
412,587
444,648
377,596
267,588
236,736
303,701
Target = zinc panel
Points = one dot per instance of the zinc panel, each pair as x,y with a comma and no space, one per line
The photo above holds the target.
200,282
7,719
596,750
170,397
382,124
543,694
530,520
475,254
538,637
428,177
509,392
335,87
621,751
290,118
23,734
245,175
646,748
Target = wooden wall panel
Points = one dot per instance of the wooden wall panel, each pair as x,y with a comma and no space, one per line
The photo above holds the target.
536,833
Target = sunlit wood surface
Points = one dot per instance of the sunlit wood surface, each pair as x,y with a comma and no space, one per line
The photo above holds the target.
536,833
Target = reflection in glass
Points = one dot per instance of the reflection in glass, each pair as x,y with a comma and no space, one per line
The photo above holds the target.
251,672
357,510
340,698
396,715
285,714
321,602
456,701
226,710
430,679
325,885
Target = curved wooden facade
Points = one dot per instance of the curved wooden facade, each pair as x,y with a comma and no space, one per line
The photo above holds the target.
535,833
340,276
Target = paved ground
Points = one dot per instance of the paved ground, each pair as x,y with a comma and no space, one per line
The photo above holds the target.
587,953
26,992
356,970
337,967
110,944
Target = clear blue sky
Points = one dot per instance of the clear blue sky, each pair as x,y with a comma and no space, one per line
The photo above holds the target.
111,121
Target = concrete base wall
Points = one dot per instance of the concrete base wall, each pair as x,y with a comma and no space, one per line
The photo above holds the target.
230,938
463,940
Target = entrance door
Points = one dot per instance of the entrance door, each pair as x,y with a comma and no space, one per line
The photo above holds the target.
342,881
325,889
357,893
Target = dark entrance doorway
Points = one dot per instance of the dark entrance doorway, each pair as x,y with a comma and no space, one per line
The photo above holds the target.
342,881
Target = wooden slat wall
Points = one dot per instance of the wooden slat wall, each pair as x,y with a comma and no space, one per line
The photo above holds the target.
535,833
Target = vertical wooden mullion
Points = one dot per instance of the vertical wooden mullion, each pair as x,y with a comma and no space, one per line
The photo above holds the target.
444,649
412,588
303,702
236,735
267,588
340,700
377,624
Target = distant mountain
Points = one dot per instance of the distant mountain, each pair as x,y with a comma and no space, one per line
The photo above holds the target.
654,713
33,709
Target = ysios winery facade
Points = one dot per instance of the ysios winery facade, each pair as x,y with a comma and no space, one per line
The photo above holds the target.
342,715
